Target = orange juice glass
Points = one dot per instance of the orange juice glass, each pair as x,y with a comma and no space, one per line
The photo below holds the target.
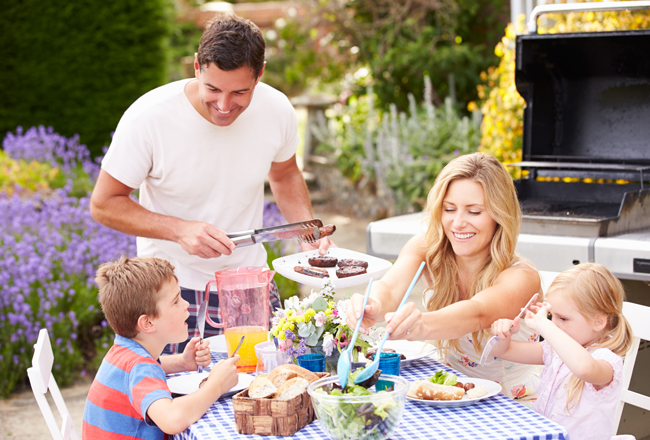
252,336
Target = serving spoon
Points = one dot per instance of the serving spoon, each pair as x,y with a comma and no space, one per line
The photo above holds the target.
344,364
370,370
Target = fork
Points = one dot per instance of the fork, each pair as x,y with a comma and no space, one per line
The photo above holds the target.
310,235
494,339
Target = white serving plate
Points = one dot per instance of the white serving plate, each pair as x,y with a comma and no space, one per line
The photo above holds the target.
412,350
377,267
188,383
492,387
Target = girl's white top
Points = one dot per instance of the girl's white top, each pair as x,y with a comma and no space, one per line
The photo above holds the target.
593,417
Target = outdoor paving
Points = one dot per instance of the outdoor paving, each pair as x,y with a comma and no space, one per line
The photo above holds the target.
20,417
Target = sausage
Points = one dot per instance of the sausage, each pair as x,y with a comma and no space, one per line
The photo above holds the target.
349,271
312,271
468,386
326,230
323,261
349,262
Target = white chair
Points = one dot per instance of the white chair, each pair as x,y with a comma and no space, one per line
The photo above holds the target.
41,379
639,318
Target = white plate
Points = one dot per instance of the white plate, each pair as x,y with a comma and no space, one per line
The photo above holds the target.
218,343
413,350
492,387
377,267
188,383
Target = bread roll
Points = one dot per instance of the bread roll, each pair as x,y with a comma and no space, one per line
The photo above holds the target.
291,388
425,390
261,387
283,373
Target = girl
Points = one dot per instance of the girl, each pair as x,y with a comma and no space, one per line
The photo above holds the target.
584,341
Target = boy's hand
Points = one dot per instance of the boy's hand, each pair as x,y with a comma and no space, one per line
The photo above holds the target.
535,320
196,354
225,373
501,328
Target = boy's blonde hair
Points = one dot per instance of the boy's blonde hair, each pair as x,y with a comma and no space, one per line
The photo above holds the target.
128,289
501,204
595,291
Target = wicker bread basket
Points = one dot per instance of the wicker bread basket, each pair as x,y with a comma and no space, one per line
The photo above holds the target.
271,416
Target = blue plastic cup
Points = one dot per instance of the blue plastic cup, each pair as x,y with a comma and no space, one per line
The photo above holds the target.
389,363
312,362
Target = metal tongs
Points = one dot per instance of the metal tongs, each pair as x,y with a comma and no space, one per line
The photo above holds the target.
307,232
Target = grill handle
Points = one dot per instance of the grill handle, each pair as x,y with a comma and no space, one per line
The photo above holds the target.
582,7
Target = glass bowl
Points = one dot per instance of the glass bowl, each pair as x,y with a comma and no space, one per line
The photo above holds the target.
372,417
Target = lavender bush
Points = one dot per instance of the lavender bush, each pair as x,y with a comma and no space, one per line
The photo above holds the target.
50,248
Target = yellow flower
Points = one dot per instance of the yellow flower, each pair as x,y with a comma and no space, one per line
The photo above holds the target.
281,336
328,312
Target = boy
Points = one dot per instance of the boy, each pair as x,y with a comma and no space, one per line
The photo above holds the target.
129,397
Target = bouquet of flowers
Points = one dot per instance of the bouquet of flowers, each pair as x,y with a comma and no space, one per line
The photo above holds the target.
317,324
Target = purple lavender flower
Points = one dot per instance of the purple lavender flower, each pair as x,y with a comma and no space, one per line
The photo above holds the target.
289,334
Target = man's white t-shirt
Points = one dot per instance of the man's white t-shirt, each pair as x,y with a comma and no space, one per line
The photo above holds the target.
189,168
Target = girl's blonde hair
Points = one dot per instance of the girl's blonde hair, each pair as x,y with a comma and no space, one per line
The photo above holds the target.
595,291
501,204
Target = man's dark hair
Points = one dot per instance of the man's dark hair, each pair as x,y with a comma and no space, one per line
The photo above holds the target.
232,42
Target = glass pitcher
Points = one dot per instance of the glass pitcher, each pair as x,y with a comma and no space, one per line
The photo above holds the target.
243,309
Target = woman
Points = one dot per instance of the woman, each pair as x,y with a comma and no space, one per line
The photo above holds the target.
473,274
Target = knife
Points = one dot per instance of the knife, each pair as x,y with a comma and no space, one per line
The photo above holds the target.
200,322
307,231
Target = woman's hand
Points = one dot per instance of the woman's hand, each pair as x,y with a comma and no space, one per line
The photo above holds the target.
405,324
353,311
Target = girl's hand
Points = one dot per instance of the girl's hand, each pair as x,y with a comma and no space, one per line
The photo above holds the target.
196,354
533,320
502,328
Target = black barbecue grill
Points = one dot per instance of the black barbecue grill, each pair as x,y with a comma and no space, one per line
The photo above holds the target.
587,116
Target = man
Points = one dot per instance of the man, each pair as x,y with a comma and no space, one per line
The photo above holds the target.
199,150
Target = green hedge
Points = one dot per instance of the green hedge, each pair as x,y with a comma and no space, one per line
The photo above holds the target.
77,66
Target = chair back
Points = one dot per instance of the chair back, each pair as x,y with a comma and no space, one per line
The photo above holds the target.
639,318
41,379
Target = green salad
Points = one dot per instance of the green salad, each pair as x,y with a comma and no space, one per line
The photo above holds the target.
370,420
443,378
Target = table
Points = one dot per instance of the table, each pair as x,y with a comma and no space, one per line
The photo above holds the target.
497,417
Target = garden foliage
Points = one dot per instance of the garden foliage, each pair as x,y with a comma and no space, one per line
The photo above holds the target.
77,66
50,248
502,106
401,153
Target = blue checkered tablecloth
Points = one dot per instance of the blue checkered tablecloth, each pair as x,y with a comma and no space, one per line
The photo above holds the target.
497,417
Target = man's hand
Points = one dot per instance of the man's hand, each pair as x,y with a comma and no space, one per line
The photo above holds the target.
322,245
204,240
196,354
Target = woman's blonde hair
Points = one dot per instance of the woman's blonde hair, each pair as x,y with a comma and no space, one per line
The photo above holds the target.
501,205
595,291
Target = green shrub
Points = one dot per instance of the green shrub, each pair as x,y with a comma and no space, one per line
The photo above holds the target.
78,65
400,153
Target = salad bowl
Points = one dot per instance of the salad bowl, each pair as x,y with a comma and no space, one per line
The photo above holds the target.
373,416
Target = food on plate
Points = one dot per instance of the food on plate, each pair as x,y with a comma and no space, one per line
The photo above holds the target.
426,390
291,388
443,378
350,271
326,230
476,392
261,387
370,354
202,382
283,373
347,262
312,271
323,261
356,419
